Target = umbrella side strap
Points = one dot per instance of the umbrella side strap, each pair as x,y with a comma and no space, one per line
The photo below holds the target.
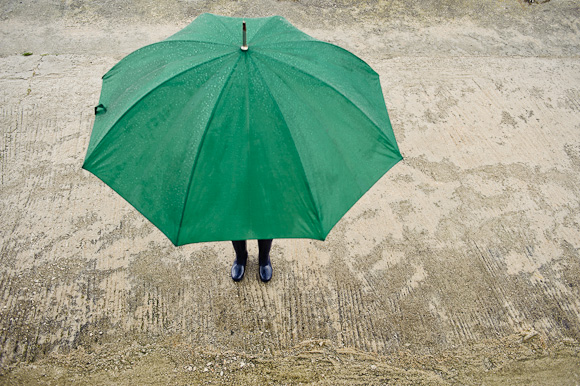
100,109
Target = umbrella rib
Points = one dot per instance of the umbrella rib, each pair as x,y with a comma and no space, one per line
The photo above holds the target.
317,210
362,190
220,20
271,19
163,42
126,111
169,40
382,134
314,40
211,116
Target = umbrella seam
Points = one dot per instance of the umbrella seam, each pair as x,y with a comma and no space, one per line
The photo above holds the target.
159,43
184,60
169,40
199,150
317,210
331,138
223,24
112,126
220,18
271,18
382,134
314,40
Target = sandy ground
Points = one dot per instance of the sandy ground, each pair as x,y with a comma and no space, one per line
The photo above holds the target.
460,266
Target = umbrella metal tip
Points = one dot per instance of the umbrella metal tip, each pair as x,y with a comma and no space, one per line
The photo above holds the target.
244,45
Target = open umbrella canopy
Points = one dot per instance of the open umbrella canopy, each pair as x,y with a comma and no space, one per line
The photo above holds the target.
212,141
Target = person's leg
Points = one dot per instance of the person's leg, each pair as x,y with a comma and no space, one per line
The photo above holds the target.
239,266
264,247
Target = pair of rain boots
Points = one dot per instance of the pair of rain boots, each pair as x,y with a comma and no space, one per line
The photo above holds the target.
239,266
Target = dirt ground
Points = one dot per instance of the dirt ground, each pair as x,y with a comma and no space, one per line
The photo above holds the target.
460,266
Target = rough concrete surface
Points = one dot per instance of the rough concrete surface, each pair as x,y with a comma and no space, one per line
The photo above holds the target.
460,266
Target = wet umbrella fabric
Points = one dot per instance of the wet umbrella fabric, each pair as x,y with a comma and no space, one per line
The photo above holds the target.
211,142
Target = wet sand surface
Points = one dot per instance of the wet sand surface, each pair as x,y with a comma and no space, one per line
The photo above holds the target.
460,266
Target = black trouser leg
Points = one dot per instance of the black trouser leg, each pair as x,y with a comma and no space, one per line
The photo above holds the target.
241,251
264,247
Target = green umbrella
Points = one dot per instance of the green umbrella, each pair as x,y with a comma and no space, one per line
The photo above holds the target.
212,139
